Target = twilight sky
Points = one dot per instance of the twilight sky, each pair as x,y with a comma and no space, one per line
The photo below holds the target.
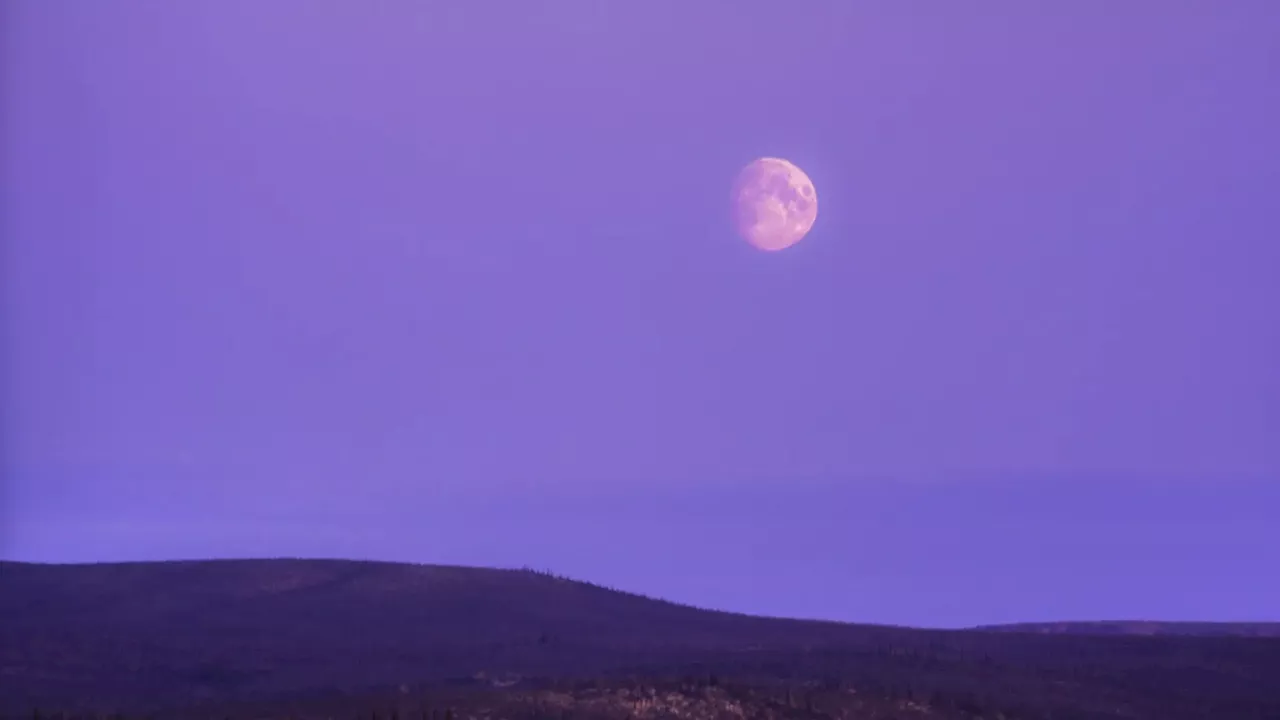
456,282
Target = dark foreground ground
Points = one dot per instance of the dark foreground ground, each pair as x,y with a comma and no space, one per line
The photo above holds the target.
338,639
690,698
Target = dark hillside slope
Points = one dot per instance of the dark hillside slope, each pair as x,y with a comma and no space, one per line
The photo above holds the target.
300,600
146,635
218,627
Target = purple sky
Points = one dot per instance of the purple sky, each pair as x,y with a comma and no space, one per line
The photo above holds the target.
456,282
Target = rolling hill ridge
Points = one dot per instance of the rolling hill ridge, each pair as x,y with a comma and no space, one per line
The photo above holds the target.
148,635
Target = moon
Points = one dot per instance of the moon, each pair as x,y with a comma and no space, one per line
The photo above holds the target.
774,203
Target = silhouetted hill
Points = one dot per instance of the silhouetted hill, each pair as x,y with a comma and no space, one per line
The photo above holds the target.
245,627
1143,627
155,635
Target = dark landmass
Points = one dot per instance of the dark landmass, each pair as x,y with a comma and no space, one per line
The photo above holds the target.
1144,627
693,697
329,638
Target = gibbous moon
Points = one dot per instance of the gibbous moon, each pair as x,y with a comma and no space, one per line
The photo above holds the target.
774,203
